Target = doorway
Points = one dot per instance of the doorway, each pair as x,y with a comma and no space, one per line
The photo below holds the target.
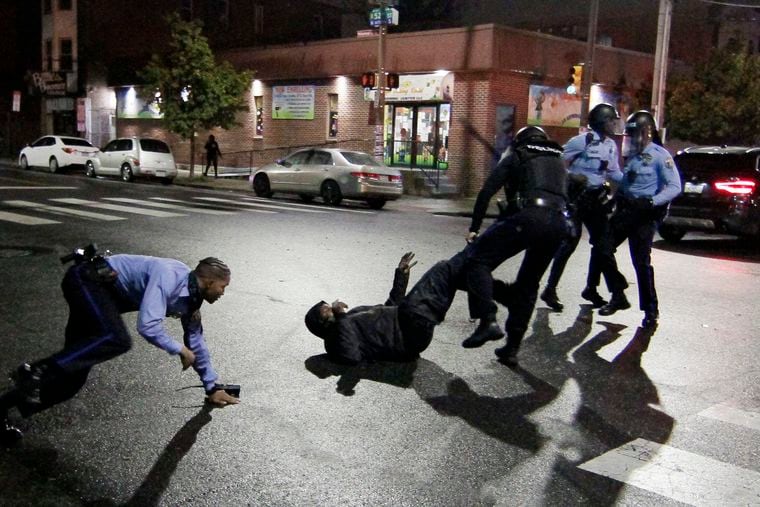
419,135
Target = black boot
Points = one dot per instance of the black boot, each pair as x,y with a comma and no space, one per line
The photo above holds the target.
618,301
28,380
9,435
650,319
487,330
590,294
549,296
507,355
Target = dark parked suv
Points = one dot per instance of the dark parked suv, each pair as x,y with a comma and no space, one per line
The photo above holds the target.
720,192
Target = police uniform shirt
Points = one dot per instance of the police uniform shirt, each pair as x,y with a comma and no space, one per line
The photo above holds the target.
158,288
651,173
586,157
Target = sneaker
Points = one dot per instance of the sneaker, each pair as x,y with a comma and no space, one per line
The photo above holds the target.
28,380
9,435
650,319
507,355
617,302
590,294
487,330
549,296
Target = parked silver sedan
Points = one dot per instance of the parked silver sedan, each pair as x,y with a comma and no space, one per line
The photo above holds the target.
332,174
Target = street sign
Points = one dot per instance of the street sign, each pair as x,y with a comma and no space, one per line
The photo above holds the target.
383,16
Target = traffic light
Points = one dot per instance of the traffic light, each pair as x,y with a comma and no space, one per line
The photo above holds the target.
368,80
574,81
391,81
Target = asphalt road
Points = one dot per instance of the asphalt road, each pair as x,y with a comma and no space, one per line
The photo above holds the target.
598,412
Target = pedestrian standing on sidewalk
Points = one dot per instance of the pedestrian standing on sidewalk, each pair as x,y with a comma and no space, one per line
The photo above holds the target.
650,181
535,182
98,290
213,154
593,155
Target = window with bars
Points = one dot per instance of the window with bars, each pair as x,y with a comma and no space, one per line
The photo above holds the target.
258,19
66,55
332,118
259,103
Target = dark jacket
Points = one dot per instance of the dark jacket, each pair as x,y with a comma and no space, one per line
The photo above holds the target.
367,333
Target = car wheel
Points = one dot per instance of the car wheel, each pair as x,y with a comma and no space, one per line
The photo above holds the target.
671,234
23,163
89,169
53,165
261,185
306,197
330,193
376,203
126,173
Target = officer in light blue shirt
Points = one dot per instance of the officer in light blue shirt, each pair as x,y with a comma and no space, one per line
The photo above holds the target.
592,160
98,290
650,181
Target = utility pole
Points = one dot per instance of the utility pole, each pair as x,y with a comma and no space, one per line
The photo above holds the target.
381,16
661,61
588,67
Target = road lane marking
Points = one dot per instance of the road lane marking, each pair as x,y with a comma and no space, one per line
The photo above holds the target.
299,205
727,413
24,219
271,206
166,199
680,475
117,207
169,206
61,209
38,188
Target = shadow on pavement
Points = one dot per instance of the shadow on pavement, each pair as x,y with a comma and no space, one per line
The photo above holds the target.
724,248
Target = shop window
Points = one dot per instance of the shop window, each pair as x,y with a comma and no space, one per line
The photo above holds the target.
47,6
258,19
332,118
186,9
66,56
64,5
259,103
48,55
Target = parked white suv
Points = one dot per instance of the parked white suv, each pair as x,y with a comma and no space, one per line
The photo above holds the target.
56,152
134,157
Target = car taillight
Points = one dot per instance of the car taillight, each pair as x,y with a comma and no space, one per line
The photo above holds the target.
736,187
365,175
394,179
68,150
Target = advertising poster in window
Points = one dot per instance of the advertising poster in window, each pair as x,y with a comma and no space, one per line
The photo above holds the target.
130,105
293,102
551,106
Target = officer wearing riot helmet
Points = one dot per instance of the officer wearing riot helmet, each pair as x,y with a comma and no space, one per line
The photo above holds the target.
593,159
535,182
650,182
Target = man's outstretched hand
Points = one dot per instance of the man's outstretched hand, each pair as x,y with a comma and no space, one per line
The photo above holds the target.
187,357
220,398
406,264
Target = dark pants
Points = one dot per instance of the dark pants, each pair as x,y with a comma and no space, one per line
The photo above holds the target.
537,231
426,305
95,333
638,227
211,159
594,217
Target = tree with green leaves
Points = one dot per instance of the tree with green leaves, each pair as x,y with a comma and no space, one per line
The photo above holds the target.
720,103
194,91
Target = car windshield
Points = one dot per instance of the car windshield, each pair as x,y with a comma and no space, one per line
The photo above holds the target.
154,145
357,158
73,141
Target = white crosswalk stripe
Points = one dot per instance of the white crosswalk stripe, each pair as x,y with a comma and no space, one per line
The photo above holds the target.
261,205
677,474
193,203
62,210
118,207
24,219
169,206
726,412
298,205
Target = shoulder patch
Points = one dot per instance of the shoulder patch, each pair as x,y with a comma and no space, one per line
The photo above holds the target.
669,163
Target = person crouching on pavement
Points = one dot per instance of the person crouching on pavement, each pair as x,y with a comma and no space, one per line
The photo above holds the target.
395,331
98,290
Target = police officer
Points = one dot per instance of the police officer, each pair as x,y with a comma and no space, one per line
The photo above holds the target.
535,181
593,159
650,181
98,290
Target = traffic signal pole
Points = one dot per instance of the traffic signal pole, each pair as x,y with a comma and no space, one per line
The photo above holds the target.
588,67
661,61
380,113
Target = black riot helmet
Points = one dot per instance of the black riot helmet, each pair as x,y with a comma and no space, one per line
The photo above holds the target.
601,118
528,133
640,130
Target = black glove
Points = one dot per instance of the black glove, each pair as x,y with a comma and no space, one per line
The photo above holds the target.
643,203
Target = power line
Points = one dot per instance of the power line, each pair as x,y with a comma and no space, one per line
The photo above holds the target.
732,4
